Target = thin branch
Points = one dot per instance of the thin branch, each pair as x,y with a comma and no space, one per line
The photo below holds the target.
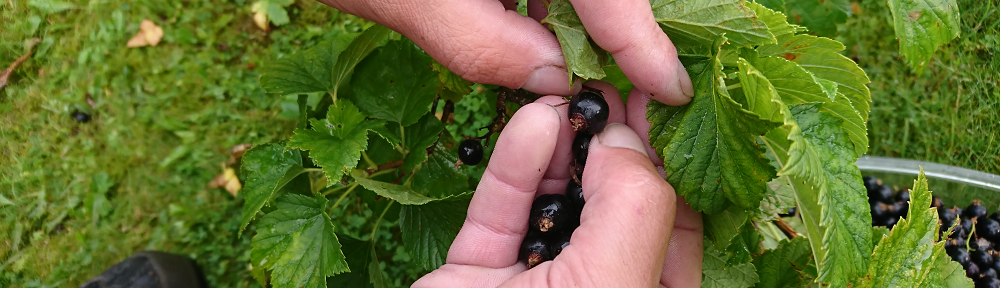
789,232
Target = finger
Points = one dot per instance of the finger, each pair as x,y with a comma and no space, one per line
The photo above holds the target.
682,267
645,54
636,119
451,275
497,218
478,40
629,213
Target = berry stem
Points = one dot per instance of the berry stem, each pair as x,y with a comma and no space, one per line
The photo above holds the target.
375,228
789,232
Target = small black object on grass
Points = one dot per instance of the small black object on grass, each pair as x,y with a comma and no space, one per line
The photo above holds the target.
80,116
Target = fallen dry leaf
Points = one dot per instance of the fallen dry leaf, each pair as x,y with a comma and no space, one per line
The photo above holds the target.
236,153
227,180
259,10
5,74
149,35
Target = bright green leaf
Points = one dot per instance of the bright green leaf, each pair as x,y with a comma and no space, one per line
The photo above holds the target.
583,57
709,146
832,202
363,263
922,26
265,170
522,7
784,266
617,78
439,176
51,6
307,71
402,194
429,229
699,23
451,81
363,45
395,83
715,274
337,141
297,243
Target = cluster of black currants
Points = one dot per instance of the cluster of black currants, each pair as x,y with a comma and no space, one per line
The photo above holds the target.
887,205
553,217
973,241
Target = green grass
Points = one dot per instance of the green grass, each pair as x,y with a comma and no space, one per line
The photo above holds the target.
165,117
951,113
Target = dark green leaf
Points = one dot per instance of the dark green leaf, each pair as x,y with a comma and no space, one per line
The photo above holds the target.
402,194
583,57
700,23
821,16
307,71
714,272
439,176
452,82
709,146
733,234
784,267
429,229
296,242
922,26
617,77
337,141
365,271
419,136
265,170
395,83
359,49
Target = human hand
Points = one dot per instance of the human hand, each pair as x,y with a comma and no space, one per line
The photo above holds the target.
485,41
631,212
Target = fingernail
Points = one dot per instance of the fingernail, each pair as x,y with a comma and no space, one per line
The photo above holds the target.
621,136
684,80
551,80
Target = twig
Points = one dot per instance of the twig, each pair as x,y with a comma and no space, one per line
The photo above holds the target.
789,232
5,75
386,166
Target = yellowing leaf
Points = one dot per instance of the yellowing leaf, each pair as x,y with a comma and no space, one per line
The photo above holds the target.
270,10
149,35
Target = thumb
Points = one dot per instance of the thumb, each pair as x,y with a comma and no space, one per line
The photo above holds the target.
626,224
478,40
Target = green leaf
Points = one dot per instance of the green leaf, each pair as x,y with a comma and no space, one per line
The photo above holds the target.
439,176
821,16
832,202
429,229
51,6
451,81
700,23
296,242
337,141
97,200
709,146
583,57
617,78
905,258
402,194
419,136
522,7
306,71
343,68
777,200
363,263
785,266
923,26
945,272
795,85
395,83
714,272
729,230
265,170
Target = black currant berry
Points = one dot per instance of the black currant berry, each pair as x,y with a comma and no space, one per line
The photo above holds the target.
980,244
981,258
81,117
559,244
551,213
470,152
988,282
870,183
791,212
976,209
987,272
881,193
988,228
588,112
581,146
575,194
879,210
534,250
965,224
960,255
995,216
996,263
972,270
903,195
946,215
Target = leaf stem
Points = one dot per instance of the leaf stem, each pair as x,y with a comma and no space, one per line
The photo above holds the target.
349,190
371,164
306,170
379,221
402,140
734,86
381,172
335,189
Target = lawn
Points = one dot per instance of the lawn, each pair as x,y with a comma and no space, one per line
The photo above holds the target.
76,198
